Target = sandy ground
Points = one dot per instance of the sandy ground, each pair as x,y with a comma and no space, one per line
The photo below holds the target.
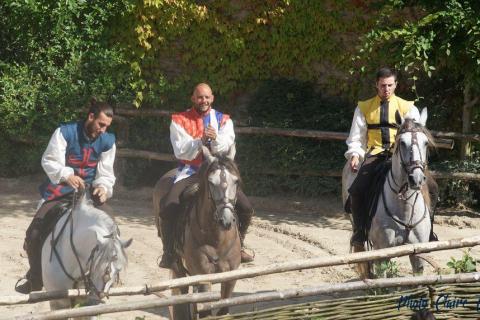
283,230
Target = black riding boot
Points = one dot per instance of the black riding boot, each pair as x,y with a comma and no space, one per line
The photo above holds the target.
168,234
33,246
359,220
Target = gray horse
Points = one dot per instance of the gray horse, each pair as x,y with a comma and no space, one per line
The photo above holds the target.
402,214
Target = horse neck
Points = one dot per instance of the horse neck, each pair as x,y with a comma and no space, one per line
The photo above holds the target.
414,201
85,214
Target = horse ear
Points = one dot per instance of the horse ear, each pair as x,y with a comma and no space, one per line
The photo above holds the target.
126,244
207,155
231,152
100,239
423,117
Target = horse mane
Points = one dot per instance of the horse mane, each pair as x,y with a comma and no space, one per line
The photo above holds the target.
110,249
206,168
410,125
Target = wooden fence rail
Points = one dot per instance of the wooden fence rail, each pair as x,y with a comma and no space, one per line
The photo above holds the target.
149,155
120,307
341,287
399,251
287,132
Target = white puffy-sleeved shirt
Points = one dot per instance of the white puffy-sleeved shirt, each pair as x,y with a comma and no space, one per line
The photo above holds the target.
357,139
69,152
186,131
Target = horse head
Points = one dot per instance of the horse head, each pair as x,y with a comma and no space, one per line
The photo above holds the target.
411,150
220,178
108,258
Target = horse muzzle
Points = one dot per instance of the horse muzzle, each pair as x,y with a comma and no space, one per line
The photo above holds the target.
416,179
226,216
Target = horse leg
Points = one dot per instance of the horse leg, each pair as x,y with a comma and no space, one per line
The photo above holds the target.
226,291
60,304
417,264
204,288
180,311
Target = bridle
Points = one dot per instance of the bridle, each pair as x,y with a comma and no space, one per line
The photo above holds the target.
222,202
408,168
412,164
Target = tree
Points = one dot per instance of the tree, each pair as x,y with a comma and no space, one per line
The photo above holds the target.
431,36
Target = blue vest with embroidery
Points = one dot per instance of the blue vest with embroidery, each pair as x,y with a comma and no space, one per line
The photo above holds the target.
82,155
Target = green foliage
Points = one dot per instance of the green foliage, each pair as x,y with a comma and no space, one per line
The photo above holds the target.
232,43
148,133
466,264
386,269
458,193
425,36
54,57
264,160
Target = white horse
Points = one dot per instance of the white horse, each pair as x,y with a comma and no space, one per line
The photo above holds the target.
87,252
402,214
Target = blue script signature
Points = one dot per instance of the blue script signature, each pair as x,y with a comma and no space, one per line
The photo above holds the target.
443,301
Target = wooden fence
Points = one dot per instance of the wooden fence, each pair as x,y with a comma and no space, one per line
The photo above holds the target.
419,248
461,304
443,139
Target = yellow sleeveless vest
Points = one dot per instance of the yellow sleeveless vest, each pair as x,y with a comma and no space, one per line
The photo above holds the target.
382,121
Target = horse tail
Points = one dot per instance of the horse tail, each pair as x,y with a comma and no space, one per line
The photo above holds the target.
362,268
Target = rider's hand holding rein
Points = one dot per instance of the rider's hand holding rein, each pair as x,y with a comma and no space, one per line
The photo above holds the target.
354,163
100,194
75,182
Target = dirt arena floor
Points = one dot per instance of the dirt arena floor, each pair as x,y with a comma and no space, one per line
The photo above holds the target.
282,230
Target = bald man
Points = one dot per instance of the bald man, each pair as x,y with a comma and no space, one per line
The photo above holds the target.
189,130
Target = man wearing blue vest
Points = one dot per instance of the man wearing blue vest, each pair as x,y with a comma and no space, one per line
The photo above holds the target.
79,153
374,128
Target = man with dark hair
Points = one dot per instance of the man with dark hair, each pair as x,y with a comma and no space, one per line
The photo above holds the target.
79,153
373,132
189,130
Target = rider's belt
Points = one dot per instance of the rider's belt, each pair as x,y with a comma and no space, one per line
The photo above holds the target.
383,119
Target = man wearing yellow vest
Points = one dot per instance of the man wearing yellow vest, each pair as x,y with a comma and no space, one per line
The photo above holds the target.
371,138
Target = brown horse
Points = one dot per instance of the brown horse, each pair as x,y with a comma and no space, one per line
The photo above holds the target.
211,241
